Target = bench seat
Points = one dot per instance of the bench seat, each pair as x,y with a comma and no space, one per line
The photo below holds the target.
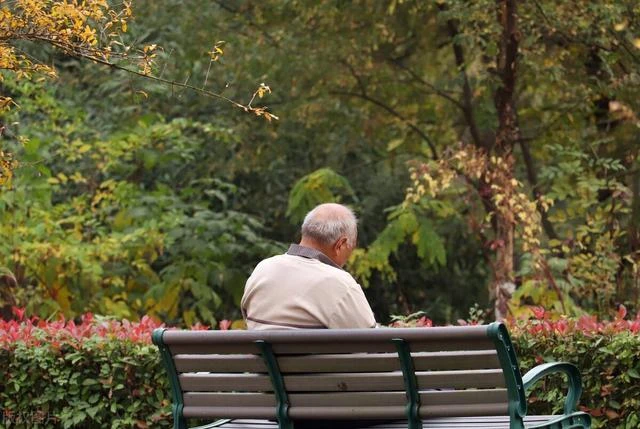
497,422
444,377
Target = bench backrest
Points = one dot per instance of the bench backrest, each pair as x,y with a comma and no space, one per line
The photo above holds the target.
384,373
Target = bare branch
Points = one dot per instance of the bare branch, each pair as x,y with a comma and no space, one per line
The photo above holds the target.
467,100
365,96
532,177
222,5
97,57
395,113
433,89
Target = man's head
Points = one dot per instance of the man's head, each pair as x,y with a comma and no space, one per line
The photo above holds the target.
332,229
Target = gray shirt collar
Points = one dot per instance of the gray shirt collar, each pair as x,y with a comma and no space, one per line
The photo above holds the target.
308,252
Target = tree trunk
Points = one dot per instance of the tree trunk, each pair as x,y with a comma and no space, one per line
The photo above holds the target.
507,136
634,231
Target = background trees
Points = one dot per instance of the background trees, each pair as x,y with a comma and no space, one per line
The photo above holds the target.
513,124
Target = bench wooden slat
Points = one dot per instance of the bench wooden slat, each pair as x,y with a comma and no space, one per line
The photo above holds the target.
458,360
324,348
493,422
347,399
477,378
357,362
208,399
219,363
462,410
391,412
324,413
194,382
250,424
222,412
327,336
471,396
346,412
353,382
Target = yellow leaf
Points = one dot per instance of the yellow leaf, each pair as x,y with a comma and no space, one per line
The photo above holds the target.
62,297
238,324
620,26
263,89
394,144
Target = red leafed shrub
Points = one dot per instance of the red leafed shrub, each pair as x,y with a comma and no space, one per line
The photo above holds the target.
34,331
606,352
98,372
542,323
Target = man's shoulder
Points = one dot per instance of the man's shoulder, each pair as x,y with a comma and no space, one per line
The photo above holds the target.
273,260
286,261
341,276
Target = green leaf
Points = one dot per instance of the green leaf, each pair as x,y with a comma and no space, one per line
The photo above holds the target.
633,373
321,186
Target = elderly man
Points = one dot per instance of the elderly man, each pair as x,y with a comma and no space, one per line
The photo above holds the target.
307,287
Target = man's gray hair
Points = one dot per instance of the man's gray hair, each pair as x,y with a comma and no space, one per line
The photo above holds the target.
326,223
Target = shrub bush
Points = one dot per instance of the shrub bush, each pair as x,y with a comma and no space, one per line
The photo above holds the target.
607,354
100,373
105,373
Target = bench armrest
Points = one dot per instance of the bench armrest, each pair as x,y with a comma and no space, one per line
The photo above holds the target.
573,379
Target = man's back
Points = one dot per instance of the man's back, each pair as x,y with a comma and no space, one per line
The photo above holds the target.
290,292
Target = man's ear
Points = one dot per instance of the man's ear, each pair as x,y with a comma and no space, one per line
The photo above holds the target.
340,242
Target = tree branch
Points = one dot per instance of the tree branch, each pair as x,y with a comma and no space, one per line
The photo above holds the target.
229,9
414,128
92,56
532,177
508,133
365,96
467,93
434,90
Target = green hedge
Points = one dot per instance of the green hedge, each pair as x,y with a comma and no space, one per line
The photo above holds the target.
101,383
98,373
108,375
610,368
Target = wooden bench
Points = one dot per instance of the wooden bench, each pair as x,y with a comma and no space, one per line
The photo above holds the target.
446,377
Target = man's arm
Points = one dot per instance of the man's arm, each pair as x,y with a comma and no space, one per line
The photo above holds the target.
352,310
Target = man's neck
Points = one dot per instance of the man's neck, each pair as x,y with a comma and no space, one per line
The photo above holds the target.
307,242
311,253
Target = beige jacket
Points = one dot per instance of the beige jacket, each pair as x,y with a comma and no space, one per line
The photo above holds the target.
292,292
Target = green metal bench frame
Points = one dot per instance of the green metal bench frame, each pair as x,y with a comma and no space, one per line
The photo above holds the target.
516,385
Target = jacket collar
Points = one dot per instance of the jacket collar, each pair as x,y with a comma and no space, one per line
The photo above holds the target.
308,252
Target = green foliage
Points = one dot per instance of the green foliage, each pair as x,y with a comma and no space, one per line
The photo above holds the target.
592,210
98,383
610,371
321,186
403,225
362,87
122,223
